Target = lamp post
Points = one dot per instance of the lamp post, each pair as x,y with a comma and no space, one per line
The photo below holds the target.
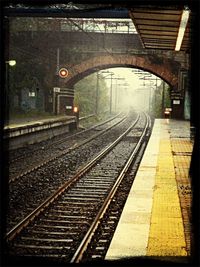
8,63
11,62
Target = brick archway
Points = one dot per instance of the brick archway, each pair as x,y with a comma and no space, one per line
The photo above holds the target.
164,68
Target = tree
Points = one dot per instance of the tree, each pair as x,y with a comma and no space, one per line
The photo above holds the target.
160,100
85,95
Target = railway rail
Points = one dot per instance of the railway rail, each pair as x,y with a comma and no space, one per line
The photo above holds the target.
29,191
63,226
26,193
21,153
48,151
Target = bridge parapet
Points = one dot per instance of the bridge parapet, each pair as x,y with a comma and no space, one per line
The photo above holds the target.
77,46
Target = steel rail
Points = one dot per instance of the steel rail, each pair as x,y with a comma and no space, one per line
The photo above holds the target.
66,151
70,136
20,226
83,246
91,128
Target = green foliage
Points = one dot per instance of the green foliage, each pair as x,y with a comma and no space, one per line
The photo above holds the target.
18,24
85,95
167,102
28,73
160,100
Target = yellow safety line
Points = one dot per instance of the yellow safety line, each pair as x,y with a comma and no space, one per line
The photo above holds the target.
166,236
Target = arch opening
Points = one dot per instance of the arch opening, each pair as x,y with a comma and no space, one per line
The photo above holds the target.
163,70
116,89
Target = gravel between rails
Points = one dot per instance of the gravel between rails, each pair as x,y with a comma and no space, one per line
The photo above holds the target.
88,192
31,189
38,153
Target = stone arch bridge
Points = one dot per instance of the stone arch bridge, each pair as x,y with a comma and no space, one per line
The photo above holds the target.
164,70
83,54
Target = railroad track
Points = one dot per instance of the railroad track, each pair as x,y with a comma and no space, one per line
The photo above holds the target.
62,227
39,157
28,192
22,153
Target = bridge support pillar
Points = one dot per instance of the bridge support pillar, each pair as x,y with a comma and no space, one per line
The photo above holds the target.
177,108
181,97
63,101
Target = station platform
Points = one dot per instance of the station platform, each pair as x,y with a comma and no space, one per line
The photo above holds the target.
23,122
26,131
156,218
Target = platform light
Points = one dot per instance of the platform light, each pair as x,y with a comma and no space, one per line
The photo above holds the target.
182,28
11,62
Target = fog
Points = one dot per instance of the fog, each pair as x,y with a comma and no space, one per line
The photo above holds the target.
132,88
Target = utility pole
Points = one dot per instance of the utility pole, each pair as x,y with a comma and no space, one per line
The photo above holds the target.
149,100
97,95
111,88
111,74
116,95
57,61
111,94
163,99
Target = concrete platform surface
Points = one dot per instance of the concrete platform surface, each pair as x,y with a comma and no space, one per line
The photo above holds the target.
156,216
23,122
25,132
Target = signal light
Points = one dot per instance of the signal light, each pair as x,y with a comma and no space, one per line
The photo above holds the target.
75,109
63,73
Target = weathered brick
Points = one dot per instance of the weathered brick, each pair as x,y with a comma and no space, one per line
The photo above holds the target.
164,71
